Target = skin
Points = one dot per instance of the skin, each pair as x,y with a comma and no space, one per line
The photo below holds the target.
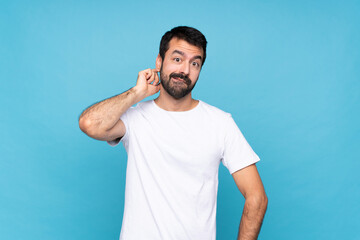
187,63
102,121
250,185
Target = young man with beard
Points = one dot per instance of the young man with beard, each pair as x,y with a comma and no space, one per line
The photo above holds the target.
175,145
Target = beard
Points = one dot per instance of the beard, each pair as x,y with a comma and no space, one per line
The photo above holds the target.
176,89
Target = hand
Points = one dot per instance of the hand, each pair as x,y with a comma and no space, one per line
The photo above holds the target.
147,83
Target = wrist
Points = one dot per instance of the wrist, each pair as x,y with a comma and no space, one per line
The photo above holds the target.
138,93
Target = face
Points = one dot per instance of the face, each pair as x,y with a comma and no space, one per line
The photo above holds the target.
180,68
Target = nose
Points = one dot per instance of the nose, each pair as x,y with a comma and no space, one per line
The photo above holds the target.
185,68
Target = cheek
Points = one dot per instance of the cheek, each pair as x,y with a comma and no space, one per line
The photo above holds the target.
195,75
171,69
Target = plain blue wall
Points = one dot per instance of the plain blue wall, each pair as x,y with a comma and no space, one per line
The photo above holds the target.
288,72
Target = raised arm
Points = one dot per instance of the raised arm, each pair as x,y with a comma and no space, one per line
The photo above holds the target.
102,120
249,183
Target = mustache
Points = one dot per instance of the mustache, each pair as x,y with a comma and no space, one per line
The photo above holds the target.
181,76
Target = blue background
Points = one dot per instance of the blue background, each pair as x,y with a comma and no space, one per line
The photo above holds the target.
287,71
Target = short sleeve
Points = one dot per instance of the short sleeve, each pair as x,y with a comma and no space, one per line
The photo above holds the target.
237,153
125,119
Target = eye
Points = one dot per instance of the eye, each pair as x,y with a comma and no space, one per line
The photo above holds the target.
196,64
177,59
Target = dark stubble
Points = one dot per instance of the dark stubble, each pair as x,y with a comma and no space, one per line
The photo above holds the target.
176,89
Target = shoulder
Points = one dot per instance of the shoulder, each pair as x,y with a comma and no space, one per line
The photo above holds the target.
134,111
215,112
145,104
140,107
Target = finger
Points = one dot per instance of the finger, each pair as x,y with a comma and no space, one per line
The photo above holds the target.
156,81
157,88
148,73
152,77
154,89
142,76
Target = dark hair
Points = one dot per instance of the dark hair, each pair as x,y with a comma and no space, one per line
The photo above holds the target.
189,34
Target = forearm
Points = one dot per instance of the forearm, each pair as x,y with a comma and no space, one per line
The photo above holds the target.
103,115
102,120
252,217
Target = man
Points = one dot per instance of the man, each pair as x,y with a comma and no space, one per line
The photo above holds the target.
175,144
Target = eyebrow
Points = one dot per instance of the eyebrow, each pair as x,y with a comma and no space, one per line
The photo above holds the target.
182,53
179,52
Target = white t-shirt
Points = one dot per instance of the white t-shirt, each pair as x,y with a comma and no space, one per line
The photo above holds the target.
172,170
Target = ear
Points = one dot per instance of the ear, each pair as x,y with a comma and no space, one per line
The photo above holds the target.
158,63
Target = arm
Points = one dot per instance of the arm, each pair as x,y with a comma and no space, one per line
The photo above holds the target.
249,183
102,120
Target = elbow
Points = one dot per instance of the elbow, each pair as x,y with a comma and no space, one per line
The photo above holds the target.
92,129
86,126
265,202
258,201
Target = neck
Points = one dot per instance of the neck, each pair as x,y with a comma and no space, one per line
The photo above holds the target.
168,103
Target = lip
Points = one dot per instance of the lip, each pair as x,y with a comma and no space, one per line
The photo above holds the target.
178,79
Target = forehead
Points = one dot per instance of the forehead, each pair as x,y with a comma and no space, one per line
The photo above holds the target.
184,46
